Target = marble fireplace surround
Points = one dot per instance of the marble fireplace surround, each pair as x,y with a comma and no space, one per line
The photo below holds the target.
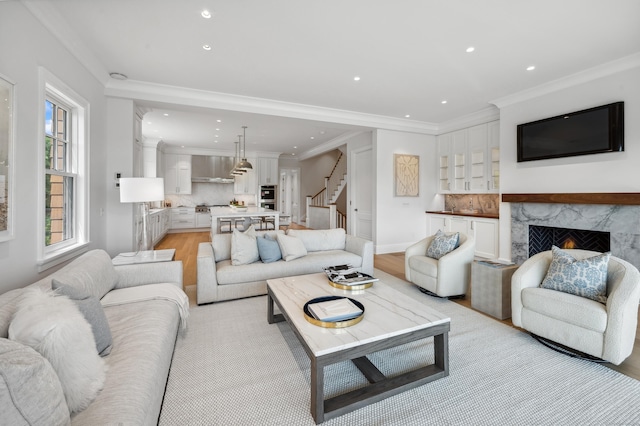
616,213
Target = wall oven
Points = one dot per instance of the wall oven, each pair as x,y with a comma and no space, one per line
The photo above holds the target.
268,197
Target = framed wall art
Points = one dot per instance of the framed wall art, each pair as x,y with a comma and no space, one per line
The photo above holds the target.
7,129
406,175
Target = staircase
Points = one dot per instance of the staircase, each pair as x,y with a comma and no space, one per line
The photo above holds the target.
326,198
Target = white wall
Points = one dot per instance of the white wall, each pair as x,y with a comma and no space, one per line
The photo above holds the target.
610,172
401,221
26,45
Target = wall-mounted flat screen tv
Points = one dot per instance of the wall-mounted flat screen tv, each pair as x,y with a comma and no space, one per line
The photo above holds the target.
590,131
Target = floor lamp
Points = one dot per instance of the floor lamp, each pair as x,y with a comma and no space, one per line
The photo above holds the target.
142,190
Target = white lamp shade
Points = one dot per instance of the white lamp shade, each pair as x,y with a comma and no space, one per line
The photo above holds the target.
141,190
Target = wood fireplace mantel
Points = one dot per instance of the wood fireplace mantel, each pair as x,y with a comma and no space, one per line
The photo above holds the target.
613,198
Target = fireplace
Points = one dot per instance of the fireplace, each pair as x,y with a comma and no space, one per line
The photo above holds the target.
541,238
621,221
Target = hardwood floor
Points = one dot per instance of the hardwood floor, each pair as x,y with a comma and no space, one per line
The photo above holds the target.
186,245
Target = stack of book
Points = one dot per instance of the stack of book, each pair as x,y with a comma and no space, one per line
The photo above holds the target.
334,310
347,275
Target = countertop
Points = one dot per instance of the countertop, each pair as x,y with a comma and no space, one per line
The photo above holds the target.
465,213
251,210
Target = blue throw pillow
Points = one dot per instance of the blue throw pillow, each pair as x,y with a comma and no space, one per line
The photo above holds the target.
442,244
269,250
585,278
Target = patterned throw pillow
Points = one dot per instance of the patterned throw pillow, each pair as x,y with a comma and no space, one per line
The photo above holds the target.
585,278
442,244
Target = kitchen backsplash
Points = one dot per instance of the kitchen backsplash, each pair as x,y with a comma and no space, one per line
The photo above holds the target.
205,193
484,203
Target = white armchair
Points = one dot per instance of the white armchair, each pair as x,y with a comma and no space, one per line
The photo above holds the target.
444,277
603,331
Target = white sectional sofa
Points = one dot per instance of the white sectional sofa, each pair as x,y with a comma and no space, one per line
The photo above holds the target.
145,305
219,280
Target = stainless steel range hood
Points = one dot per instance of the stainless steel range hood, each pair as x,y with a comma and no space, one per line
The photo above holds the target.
213,169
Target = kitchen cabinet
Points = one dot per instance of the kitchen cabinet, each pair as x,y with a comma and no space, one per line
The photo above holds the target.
183,217
246,183
177,174
203,220
484,230
468,160
159,224
267,171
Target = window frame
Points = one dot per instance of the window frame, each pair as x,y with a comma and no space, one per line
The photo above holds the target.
78,121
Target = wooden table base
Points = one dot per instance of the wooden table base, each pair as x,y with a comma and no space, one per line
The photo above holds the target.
380,386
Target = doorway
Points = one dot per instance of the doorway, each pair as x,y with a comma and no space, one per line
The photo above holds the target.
289,197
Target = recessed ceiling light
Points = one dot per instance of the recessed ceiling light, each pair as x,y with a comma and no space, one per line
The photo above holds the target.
166,114
206,47
322,132
295,147
217,130
407,116
219,121
470,49
312,137
181,146
118,76
206,14
356,78
444,102
293,153
531,68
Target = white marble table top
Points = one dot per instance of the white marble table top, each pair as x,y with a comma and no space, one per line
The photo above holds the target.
387,312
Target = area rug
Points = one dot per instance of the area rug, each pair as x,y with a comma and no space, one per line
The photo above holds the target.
232,368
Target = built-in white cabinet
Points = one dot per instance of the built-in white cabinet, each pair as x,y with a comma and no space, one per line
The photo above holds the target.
245,184
468,159
267,171
183,217
484,230
177,174
159,224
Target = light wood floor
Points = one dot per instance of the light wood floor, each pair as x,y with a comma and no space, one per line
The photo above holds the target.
186,245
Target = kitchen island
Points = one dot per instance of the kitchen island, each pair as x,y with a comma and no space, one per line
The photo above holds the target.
218,213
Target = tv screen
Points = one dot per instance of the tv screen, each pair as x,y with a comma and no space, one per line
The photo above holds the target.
591,131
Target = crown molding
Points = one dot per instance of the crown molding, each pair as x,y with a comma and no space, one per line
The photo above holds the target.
485,115
50,18
603,70
145,91
330,145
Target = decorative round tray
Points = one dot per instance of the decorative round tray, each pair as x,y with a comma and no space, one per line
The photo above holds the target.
336,324
350,287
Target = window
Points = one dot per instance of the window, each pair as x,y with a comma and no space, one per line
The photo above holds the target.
63,188
59,173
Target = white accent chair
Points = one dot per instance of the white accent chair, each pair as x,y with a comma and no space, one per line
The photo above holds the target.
445,277
602,331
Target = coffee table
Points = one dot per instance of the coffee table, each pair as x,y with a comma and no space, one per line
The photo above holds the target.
391,319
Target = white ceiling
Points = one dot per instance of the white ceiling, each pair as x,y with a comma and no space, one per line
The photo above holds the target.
410,55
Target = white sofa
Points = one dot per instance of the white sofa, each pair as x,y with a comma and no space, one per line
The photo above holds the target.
605,331
143,333
219,280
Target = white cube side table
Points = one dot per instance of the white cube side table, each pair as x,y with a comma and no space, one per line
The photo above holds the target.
147,256
491,288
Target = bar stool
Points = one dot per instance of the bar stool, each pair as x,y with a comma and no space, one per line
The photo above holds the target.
224,222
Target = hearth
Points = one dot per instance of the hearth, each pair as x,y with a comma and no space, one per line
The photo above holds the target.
541,238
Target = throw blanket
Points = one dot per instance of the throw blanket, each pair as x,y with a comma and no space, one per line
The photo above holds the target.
150,292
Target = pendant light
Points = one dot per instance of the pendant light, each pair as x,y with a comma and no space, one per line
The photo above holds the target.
237,171
244,164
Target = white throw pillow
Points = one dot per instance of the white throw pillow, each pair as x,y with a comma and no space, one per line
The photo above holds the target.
291,247
54,326
30,392
244,248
